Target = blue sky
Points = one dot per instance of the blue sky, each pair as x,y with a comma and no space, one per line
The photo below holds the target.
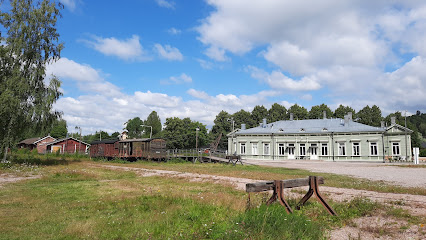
195,58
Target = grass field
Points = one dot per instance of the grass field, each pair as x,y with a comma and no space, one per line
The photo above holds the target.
72,199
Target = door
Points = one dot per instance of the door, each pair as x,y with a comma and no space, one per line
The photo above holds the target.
314,151
290,150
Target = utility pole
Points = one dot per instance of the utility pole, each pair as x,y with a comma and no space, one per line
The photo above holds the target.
232,121
196,139
79,143
406,144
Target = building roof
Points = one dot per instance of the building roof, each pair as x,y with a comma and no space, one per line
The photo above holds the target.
41,139
310,126
64,139
137,140
29,141
109,141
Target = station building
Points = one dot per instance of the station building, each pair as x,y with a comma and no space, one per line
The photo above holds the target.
321,139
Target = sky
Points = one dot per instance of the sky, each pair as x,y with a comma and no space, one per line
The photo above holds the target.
125,59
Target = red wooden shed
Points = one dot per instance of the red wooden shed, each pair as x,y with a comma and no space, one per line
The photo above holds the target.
68,145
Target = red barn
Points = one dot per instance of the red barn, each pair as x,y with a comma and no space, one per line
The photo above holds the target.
39,143
68,145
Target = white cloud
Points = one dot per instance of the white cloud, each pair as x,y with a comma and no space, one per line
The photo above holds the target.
168,52
166,4
181,79
70,4
87,78
277,80
216,53
198,94
174,31
127,49
307,97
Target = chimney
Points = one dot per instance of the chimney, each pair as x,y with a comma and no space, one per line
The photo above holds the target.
382,124
393,120
291,116
350,116
324,114
243,126
347,117
264,123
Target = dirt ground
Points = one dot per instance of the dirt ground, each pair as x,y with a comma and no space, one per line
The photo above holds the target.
369,227
388,172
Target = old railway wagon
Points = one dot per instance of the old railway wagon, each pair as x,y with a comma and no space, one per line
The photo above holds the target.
104,148
145,148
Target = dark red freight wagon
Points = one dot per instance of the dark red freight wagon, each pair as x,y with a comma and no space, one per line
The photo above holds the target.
105,148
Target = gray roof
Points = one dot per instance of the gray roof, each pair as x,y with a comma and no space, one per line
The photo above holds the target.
311,126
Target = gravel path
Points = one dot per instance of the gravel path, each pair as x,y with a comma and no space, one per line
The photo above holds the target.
403,176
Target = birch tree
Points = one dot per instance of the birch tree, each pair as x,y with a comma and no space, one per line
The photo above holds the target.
29,43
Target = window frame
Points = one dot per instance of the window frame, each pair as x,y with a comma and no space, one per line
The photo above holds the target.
324,146
398,147
281,149
376,149
266,149
243,147
341,148
254,149
356,149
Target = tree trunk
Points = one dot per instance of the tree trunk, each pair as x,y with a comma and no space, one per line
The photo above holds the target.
7,140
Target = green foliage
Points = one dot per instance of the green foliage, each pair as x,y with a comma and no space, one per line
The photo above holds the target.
59,129
370,116
222,124
422,152
277,112
341,111
317,112
299,112
243,117
115,135
181,133
30,43
134,128
154,121
258,114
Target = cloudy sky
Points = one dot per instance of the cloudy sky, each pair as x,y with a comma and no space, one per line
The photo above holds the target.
124,59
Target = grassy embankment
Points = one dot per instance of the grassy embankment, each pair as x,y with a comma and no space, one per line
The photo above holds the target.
74,200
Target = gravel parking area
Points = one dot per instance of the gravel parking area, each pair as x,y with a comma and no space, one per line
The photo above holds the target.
403,176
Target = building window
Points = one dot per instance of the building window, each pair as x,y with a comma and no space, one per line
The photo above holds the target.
395,149
254,149
342,149
373,149
355,148
324,149
291,149
302,149
281,149
314,149
266,149
242,148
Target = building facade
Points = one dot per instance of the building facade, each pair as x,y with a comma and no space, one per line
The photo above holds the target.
321,139
68,145
39,143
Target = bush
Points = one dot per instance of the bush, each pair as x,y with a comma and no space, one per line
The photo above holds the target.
423,152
